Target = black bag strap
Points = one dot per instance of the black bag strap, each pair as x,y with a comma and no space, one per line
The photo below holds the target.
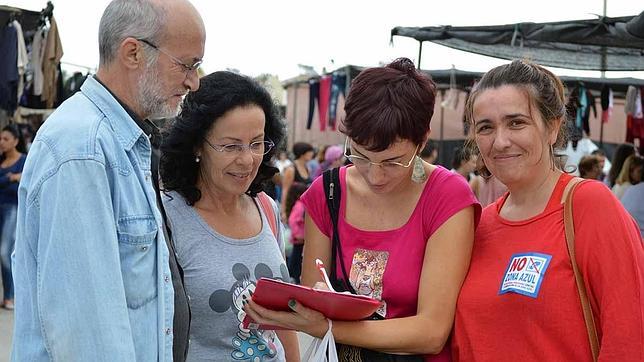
181,329
333,194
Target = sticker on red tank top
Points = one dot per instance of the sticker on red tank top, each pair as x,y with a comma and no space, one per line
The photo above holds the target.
525,274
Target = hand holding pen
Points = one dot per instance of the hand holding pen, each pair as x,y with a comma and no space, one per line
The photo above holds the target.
325,277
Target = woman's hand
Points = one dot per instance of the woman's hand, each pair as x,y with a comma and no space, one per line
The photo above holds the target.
301,318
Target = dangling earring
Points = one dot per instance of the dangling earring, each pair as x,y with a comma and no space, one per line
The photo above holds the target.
197,159
418,175
553,161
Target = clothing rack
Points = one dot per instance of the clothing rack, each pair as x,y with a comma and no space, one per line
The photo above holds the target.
46,14
28,19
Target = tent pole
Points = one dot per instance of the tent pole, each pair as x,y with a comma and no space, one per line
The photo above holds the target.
420,51
602,75
441,149
294,119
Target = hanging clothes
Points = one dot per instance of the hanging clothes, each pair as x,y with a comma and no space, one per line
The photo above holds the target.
314,96
37,53
451,101
51,61
9,69
606,103
629,101
338,85
580,102
323,101
23,57
635,119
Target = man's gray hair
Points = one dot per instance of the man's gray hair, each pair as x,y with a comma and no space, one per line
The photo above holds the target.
140,19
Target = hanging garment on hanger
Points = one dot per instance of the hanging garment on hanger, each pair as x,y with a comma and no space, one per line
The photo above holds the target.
582,104
451,101
607,103
635,120
638,113
591,104
338,85
314,96
51,60
629,101
23,57
9,69
323,101
37,52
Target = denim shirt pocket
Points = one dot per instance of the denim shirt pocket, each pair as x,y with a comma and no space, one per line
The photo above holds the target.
137,249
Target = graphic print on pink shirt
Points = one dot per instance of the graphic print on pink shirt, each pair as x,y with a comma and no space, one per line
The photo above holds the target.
367,269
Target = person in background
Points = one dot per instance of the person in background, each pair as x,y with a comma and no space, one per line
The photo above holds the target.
315,163
282,162
405,227
91,266
631,174
298,172
521,273
295,213
619,157
464,163
487,189
590,167
12,162
333,157
215,158
429,153
604,164
633,201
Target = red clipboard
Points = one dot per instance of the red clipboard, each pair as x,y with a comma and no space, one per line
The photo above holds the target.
275,294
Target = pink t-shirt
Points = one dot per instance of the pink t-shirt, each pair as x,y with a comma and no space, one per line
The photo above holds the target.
387,265
296,223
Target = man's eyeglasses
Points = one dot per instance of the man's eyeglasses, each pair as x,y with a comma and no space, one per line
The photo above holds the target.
363,162
257,148
185,67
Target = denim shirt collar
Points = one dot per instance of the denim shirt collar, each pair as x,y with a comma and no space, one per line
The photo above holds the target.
124,126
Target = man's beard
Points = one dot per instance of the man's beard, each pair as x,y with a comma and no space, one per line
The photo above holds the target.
151,98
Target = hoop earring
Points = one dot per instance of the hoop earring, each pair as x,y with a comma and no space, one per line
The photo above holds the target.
418,175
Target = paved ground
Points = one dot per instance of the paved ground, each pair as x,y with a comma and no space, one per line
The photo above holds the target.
6,331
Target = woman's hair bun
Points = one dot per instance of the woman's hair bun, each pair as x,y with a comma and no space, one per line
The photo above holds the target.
403,65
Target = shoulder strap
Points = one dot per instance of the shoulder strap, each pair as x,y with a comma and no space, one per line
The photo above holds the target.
265,204
570,241
333,194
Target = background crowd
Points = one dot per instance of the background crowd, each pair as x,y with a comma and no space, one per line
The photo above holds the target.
137,243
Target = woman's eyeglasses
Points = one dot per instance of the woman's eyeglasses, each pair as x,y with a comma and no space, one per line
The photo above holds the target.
363,162
257,148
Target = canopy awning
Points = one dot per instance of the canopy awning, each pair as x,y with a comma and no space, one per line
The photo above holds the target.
612,44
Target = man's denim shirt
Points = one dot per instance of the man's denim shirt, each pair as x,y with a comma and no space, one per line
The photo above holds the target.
91,271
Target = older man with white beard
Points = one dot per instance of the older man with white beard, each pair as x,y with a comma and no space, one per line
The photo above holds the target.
92,276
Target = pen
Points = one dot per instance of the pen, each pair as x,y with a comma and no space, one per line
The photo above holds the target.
325,277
